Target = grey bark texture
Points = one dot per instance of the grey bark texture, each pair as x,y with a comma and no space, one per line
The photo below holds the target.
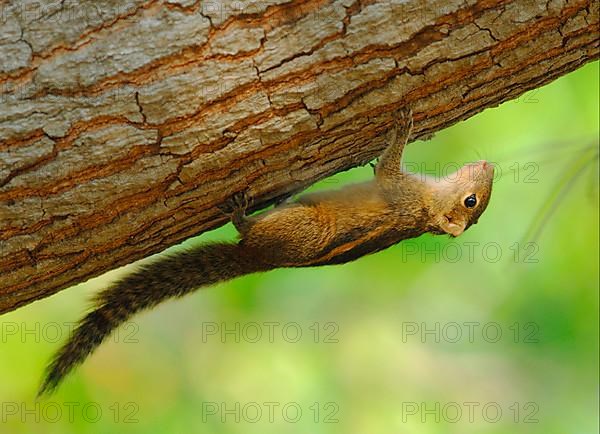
124,124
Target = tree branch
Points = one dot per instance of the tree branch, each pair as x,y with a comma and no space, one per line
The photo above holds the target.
124,124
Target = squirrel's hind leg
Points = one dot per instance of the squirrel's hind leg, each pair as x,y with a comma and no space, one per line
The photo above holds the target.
235,207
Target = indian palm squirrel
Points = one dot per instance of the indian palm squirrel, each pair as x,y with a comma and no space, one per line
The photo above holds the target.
321,228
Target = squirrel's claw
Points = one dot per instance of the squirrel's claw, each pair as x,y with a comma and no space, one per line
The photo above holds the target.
239,202
403,121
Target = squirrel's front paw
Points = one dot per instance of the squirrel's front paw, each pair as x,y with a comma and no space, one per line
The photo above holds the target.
403,121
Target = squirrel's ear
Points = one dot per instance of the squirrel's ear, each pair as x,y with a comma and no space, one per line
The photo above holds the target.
453,225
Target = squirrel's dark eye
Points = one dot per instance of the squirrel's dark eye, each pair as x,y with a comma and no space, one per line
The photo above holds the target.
471,201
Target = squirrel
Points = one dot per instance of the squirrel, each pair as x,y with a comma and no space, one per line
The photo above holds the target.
320,228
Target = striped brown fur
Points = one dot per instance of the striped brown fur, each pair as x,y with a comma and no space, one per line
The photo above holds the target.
321,228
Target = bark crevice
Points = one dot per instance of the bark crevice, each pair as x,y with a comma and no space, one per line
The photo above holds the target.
122,130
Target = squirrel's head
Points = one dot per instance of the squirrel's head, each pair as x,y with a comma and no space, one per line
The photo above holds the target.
461,198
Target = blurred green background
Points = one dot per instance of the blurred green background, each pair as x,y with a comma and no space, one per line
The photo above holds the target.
493,332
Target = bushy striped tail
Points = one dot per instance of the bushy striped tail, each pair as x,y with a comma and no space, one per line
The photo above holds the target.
169,277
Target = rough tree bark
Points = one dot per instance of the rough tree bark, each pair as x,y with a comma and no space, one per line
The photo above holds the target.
123,124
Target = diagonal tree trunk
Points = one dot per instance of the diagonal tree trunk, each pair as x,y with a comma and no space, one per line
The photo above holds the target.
123,124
